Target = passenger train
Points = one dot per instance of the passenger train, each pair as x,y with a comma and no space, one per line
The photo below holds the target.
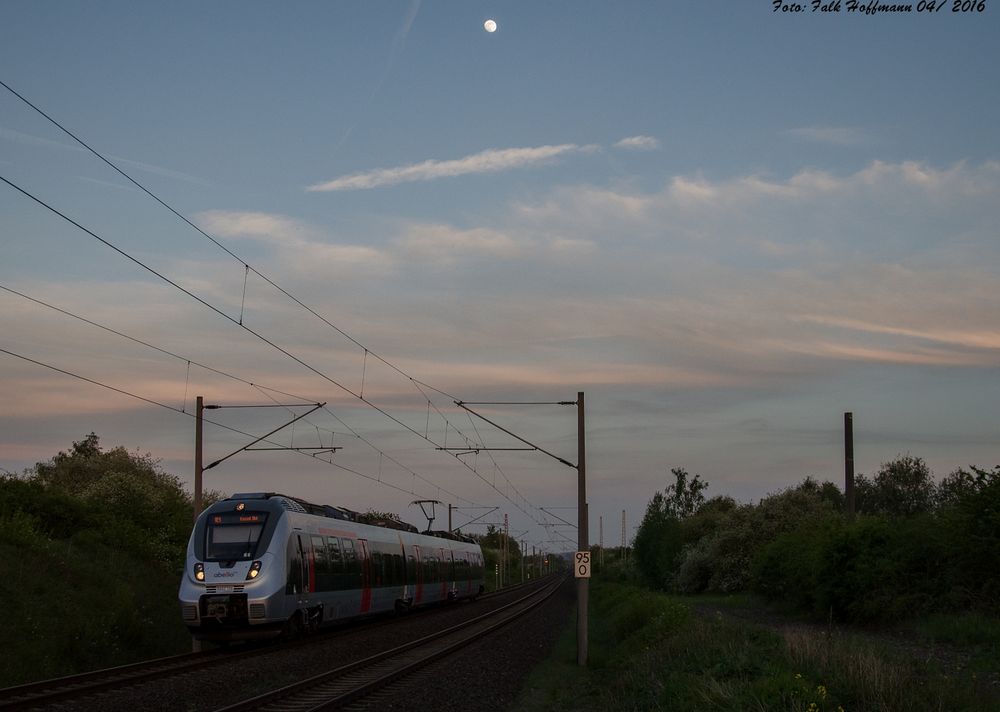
263,564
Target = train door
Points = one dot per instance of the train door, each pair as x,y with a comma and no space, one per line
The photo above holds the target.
445,572
406,582
306,567
420,575
366,576
297,583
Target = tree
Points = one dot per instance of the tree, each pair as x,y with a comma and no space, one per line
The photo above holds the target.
685,495
139,504
902,487
962,485
660,538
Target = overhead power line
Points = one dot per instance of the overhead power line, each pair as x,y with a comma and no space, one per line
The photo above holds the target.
175,409
416,383
260,387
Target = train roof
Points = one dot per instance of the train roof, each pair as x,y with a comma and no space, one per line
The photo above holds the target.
296,504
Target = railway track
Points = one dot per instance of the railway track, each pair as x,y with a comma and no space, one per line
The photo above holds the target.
351,683
71,687
75,688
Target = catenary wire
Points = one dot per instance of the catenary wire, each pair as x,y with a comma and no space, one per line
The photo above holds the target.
262,388
175,409
416,382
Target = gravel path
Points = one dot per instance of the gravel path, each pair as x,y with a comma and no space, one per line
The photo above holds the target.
489,674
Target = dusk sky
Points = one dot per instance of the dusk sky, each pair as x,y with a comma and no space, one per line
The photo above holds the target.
726,224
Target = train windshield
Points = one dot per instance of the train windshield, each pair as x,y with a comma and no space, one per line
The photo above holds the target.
233,537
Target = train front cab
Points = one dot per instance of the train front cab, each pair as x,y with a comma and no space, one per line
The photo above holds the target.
233,575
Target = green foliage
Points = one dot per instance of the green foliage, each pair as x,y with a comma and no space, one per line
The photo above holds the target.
373,515
648,652
657,544
90,545
125,495
874,568
720,559
686,494
916,548
880,568
971,529
902,487
659,540
497,540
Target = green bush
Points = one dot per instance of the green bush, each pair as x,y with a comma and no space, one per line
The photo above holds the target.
874,568
111,528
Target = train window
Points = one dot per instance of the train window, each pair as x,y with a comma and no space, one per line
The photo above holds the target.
333,549
398,575
351,578
324,573
233,540
411,569
295,580
377,570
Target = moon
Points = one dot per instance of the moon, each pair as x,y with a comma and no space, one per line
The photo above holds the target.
490,26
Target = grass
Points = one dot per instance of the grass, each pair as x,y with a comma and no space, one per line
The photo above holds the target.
651,652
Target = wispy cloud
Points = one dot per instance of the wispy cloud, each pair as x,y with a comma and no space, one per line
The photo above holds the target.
836,135
639,143
32,140
445,242
303,247
493,160
161,171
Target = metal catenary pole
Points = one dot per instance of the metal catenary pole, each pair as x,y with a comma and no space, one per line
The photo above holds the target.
582,584
198,469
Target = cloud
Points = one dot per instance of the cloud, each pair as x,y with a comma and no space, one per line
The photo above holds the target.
446,242
303,247
836,135
489,161
272,228
639,143
160,171
32,140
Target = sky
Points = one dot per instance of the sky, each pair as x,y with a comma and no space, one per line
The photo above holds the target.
726,224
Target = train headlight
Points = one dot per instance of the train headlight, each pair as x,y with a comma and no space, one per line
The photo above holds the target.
254,570
199,571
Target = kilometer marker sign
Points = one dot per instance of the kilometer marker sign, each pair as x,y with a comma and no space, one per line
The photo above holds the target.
581,568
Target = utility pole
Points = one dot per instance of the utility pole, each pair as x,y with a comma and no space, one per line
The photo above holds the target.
849,462
506,548
600,537
624,553
199,420
582,584
198,469
582,588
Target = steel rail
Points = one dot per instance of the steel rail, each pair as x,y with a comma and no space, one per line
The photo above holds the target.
348,683
32,695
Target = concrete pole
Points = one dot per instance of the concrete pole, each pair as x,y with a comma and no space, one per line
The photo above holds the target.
849,462
582,584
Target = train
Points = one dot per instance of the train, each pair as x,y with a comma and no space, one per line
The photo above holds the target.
264,564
